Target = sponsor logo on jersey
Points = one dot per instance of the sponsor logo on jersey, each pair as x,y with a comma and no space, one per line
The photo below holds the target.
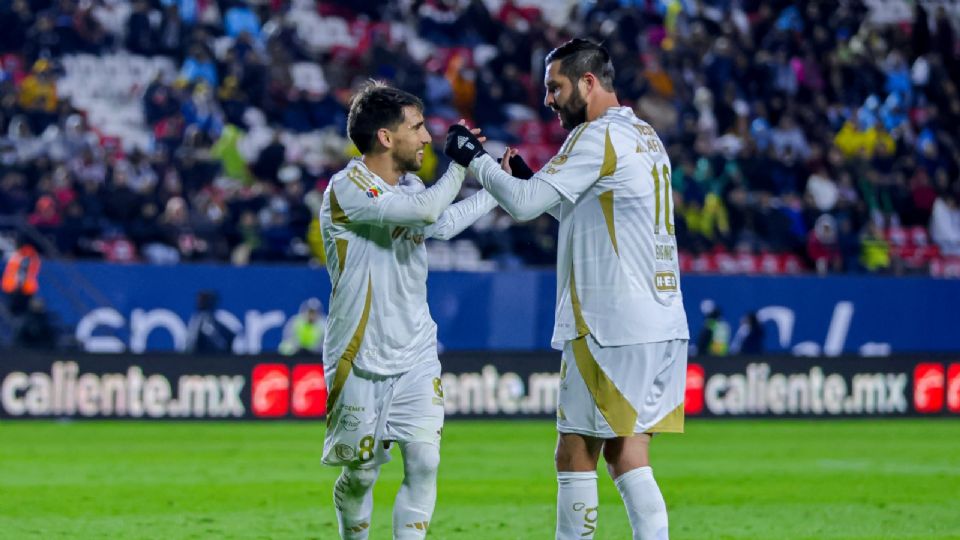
374,192
665,281
349,422
270,390
928,386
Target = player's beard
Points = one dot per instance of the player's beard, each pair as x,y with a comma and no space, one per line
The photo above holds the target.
408,162
574,112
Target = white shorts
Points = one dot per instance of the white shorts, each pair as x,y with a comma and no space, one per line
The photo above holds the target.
371,410
608,392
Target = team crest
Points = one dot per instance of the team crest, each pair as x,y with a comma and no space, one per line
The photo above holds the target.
344,452
373,192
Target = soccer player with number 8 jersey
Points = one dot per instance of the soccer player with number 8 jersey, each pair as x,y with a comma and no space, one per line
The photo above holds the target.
380,349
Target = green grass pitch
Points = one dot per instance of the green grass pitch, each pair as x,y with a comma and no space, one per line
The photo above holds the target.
764,480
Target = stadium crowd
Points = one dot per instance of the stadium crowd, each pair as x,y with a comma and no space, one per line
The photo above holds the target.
800,136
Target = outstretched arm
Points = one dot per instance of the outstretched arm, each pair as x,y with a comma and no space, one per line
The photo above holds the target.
522,199
568,175
371,203
461,215
363,199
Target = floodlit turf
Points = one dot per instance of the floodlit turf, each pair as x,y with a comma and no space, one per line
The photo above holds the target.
730,479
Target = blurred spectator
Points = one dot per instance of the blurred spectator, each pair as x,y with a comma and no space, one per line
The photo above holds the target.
714,336
748,340
206,334
36,329
875,250
239,19
823,191
199,66
20,277
945,224
38,95
823,246
303,333
140,35
271,158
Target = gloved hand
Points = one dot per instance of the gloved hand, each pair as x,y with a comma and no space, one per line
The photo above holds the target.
515,165
519,167
462,146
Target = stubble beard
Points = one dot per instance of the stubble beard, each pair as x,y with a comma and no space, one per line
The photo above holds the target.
574,112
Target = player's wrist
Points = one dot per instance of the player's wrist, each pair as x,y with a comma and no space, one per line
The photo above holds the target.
478,165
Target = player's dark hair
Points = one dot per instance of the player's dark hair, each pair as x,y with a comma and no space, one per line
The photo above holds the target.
580,56
374,107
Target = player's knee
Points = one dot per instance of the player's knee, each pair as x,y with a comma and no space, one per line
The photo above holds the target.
360,480
576,454
421,460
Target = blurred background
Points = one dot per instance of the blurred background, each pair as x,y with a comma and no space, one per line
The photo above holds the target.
162,163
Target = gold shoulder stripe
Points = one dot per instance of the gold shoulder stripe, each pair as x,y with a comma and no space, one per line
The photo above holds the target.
574,137
357,176
365,176
606,205
616,409
365,173
345,365
355,182
337,214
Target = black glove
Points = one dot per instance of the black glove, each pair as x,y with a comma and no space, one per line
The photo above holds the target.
519,168
462,146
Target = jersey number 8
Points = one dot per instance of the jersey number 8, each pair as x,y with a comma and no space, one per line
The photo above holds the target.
366,448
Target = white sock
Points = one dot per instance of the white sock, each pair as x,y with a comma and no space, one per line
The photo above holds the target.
645,506
415,501
353,499
576,505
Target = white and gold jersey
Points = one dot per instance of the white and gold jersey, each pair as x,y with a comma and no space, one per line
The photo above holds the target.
373,235
618,276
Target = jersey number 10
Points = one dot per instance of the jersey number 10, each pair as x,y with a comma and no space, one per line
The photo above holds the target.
667,196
